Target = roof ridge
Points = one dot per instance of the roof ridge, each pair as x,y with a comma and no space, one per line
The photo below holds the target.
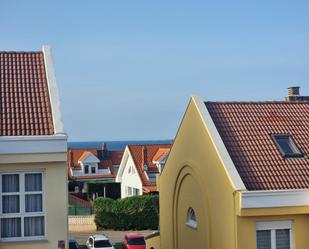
17,52
147,144
258,102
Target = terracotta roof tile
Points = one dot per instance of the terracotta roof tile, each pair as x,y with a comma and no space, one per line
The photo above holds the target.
24,99
246,129
107,160
144,154
161,154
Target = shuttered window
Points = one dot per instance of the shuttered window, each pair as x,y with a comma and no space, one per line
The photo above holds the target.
274,235
263,239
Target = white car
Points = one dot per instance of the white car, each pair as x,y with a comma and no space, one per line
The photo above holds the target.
99,241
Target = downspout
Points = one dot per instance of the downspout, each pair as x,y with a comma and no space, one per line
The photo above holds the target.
235,219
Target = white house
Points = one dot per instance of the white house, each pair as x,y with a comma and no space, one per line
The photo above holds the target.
139,167
93,164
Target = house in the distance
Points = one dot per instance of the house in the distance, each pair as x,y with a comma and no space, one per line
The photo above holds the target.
139,168
237,177
33,159
92,164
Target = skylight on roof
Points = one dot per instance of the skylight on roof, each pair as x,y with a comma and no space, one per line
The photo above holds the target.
286,145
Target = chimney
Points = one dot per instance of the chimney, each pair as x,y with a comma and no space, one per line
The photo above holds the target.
294,94
145,166
293,91
104,147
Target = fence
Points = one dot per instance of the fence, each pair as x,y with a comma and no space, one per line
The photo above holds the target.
81,223
75,210
78,206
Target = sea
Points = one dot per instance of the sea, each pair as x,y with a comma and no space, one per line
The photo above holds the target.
114,145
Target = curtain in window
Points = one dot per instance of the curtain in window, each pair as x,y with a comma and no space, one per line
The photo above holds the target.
10,204
33,203
33,182
10,227
283,239
10,183
34,226
263,239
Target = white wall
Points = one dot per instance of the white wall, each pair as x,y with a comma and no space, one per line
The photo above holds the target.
130,179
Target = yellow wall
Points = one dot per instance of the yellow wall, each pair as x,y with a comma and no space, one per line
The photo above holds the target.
153,242
247,230
195,177
55,202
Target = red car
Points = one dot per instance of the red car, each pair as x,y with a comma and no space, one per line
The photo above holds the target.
134,241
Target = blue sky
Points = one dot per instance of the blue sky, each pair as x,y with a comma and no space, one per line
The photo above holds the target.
126,69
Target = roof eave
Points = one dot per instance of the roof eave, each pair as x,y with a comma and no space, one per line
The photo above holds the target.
218,144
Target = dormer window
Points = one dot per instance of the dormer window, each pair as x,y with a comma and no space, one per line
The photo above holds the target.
93,169
286,145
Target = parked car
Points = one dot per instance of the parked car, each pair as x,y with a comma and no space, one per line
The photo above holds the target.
73,244
99,242
134,241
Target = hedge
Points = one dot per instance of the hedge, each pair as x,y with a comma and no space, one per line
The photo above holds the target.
131,213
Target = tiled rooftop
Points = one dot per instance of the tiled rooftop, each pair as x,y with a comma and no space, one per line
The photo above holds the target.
246,130
107,160
144,154
25,107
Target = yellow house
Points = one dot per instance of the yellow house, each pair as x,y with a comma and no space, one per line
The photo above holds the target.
33,159
237,177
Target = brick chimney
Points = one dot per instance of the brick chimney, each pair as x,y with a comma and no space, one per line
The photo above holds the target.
294,94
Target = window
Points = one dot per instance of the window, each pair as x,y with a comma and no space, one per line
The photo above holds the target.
129,191
286,145
152,176
274,235
93,170
86,169
21,207
191,218
135,191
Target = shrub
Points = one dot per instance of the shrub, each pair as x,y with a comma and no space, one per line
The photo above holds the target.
103,208
136,212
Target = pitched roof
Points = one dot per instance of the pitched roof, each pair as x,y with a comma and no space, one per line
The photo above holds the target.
25,105
161,154
144,154
107,160
246,129
84,155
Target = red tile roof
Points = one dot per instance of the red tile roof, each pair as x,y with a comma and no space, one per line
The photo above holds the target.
142,154
246,130
25,106
116,157
113,158
161,154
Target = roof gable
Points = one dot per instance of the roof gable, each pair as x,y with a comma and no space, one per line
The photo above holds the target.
88,157
25,108
144,154
246,129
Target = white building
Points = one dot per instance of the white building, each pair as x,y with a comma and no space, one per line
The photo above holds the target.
139,167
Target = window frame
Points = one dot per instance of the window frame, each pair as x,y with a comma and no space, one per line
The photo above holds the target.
86,167
192,223
293,146
93,170
22,205
273,226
